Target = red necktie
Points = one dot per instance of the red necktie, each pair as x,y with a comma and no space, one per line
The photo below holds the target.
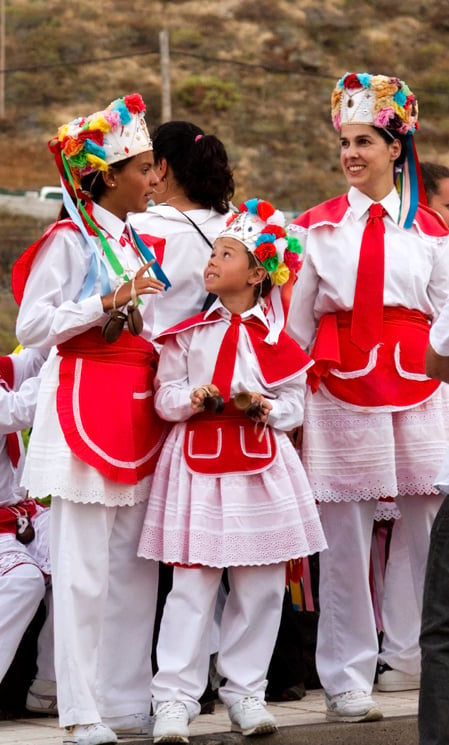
7,382
13,448
367,313
224,366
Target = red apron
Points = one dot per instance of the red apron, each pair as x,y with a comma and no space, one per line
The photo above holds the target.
220,444
392,374
105,404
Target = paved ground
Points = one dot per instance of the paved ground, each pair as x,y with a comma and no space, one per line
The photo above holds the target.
300,723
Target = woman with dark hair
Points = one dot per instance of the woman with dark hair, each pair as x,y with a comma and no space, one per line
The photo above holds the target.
192,203
86,288
375,276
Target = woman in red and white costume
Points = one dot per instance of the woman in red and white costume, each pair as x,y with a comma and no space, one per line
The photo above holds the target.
374,424
96,437
229,490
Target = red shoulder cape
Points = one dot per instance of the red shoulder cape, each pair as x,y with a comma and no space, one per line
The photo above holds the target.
278,362
333,210
22,267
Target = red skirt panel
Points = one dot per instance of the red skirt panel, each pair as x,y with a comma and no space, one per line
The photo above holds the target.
105,404
391,374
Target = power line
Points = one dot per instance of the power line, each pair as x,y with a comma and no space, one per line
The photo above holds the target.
275,69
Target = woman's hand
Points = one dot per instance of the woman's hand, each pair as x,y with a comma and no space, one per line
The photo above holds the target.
144,284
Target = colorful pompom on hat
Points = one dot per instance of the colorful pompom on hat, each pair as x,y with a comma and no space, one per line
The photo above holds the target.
379,100
260,227
94,142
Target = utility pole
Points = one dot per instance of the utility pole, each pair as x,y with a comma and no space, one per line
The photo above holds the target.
165,76
2,59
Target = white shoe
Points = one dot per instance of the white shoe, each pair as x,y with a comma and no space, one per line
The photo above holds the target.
249,716
90,734
395,680
131,725
171,723
352,706
41,697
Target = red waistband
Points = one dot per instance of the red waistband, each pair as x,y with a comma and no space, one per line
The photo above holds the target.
127,350
390,315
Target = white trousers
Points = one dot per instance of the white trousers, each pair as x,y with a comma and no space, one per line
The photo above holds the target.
104,606
347,643
248,631
400,614
21,591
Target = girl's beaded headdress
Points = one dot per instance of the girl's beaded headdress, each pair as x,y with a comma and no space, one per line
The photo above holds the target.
260,227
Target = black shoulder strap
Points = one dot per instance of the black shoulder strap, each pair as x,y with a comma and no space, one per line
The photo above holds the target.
210,296
196,227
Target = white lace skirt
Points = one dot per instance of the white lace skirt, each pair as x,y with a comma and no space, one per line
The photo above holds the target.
352,455
231,520
51,468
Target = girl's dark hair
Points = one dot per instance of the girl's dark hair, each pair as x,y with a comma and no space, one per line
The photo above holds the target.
199,163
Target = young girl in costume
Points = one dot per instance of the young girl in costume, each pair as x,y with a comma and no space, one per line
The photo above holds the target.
84,287
374,277
229,489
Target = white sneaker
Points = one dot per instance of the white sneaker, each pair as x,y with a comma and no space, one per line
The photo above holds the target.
249,716
351,706
41,697
171,723
90,734
135,725
395,680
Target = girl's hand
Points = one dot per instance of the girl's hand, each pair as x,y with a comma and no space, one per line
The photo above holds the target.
259,408
199,395
141,284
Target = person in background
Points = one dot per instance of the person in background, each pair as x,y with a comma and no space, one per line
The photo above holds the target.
85,287
375,275
192,203
229,490
400,651
433,711
24,540
436,184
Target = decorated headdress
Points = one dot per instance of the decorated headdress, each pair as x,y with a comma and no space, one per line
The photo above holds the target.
94,142
386,103
91,144
260,227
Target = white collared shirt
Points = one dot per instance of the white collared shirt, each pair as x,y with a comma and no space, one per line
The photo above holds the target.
51,312
416,267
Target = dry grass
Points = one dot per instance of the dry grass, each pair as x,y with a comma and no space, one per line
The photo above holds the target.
274,63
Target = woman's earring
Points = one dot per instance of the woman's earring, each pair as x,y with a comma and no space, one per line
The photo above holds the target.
164,191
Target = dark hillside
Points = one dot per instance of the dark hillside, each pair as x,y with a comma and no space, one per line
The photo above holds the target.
258,73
